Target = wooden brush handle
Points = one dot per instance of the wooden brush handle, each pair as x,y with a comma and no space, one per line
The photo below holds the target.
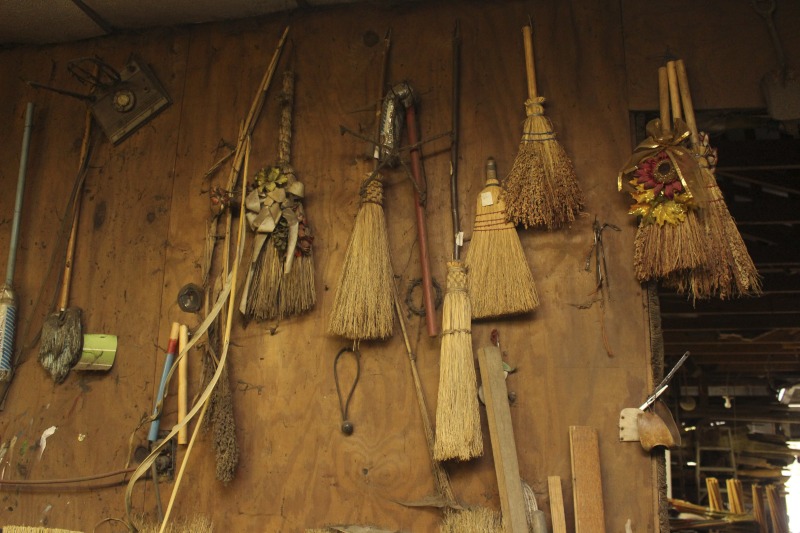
686,98
530,70
674,94
183,374
663,99
63,298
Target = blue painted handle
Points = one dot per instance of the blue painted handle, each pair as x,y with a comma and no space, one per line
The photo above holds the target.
154,425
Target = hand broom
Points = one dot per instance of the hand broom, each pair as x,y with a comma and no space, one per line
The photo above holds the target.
500,281
731,272
458,417
281,281
364,303
665,185
541,190
61,338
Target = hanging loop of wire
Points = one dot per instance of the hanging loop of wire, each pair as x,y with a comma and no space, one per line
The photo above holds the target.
344,404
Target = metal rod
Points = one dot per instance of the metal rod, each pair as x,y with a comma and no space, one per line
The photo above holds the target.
23,168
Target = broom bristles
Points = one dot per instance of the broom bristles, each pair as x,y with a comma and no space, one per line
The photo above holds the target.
61,342
458,419
541,189
263,302
730,271
477,520
363,306
500,280
298,293
662,251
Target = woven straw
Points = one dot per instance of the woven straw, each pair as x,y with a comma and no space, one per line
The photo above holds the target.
364,304
458,419
500,281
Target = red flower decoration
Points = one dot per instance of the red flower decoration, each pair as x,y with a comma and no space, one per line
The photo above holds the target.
659,174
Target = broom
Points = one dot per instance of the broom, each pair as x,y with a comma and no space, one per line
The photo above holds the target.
500,281
665,185
364,303
541,189
61,337
281,282
458,420
731,272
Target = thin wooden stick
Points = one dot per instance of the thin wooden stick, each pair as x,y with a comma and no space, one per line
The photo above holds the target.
183,376
663,99
674,97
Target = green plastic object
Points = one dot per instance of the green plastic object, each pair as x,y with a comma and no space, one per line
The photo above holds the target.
99,352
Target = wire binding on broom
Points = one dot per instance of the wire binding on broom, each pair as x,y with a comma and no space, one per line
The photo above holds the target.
500,281
363,306
458,420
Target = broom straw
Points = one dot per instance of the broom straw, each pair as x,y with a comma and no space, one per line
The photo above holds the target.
661,251
731,271
500,281
541,189
365,295
61,337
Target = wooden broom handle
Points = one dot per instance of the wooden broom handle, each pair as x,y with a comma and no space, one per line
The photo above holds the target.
686,98
530,70
663,100
63,299
674,94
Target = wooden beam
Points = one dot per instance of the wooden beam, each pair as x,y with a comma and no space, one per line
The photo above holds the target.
587,486
731,323
504,450
773,152
770,303
743,351
557,516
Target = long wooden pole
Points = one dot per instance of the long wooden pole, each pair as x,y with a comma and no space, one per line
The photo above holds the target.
422,233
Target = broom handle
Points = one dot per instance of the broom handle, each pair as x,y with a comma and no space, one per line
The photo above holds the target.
527,38
416,170
663,99
172,347
66,279
23,169
454,143
686,98
674,95
183,378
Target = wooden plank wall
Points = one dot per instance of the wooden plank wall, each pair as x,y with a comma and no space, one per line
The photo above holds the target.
141,238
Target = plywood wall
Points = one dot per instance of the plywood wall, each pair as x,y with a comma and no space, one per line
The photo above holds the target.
142,233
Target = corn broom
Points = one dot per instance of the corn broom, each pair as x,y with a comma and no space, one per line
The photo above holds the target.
730,273
541,190
500,280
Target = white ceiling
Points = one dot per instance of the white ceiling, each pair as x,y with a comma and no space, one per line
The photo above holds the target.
56,21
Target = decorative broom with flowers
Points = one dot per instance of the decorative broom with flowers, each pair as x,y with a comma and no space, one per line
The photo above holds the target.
664,181
730,272
280,282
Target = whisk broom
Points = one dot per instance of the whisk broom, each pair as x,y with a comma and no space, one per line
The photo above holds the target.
281,281
500,280
364,303
541,190
731,272
61,338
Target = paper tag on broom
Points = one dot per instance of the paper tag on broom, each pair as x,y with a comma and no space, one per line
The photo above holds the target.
460,238
486,198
